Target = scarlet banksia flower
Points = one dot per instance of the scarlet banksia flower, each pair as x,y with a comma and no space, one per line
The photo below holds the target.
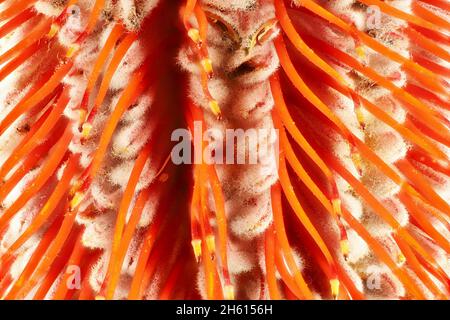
335,184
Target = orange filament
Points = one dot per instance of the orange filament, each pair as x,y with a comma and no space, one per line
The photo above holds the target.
429,116
15,9
412,134
423,157
429,16
433,66
162,251
34,138
426,43
220,211
127,197
436,36
423,74
286,276
27,104
390,10
288,122
126,238
118,56
205,212
292,159
415,265
37,34
52,163
302,216
301,46
147,246
57,267
54,249
271,279
42,217
423,222
443,4
194,216
188,11
15,22
113,37
27,165
437,273
199,47
45,241
378,208
421,184
317,103
128,96
284,242
19,60
95,13
74,260
221,221
213,286
378,249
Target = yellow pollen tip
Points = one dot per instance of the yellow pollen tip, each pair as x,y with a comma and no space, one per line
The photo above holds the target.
76,200
228,292
207,65
337,206
86,130
81,115
401,258
334,283
345,247
356,158
211,243
100,298
197,246
72,50
53,30
214,106
194,34
360,115
360,52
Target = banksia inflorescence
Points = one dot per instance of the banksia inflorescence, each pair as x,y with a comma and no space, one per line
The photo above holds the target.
350,199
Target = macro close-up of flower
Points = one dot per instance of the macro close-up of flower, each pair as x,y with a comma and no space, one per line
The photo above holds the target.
224,149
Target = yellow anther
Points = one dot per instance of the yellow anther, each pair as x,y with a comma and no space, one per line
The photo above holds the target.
197,246
81,115
337,206
207,65
86,130
360,52
100,298
76,200
75,187
356,158
194,34
214,106
228,292
211,243
53,30
72,50
360,116
334,283
345,247
401,258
